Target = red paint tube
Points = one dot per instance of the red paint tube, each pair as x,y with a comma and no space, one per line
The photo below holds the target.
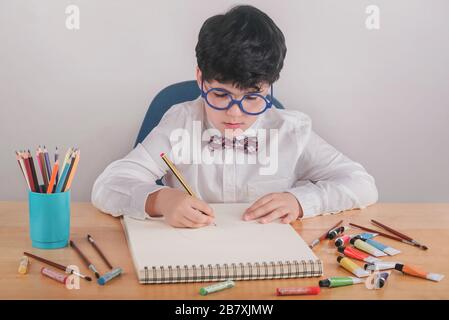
357,254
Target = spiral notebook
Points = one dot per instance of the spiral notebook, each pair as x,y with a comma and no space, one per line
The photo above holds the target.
233,249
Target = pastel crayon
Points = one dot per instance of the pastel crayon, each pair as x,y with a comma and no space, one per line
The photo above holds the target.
217,287
297,291
55,275
23,265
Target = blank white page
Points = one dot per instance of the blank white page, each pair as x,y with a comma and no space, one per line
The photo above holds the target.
232,240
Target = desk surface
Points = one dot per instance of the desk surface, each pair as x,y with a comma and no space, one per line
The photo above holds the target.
428,223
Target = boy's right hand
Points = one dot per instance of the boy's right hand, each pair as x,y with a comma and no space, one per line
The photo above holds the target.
179,208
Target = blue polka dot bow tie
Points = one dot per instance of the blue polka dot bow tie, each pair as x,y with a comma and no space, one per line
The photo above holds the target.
247,144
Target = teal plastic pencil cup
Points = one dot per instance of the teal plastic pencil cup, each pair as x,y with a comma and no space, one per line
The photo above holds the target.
49,219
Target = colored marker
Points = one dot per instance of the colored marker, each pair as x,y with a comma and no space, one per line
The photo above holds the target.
23,265
109,276
217,287
388,250
334,282
335,232
357,254
352,267
380,265
416,272
362,245
297,291
60,277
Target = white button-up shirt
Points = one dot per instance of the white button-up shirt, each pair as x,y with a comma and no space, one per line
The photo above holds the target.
291,158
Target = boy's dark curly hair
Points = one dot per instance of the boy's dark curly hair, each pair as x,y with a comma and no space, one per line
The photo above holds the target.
243,47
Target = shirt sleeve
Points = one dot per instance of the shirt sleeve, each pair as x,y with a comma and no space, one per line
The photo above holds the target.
123,187
330,182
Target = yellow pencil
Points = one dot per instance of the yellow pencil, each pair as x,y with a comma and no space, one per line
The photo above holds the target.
178,175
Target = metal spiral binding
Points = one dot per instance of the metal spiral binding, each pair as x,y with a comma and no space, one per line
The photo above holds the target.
240,271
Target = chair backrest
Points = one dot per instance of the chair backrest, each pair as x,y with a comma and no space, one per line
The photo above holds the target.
171,95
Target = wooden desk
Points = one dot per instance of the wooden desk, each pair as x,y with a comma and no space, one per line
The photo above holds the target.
428,223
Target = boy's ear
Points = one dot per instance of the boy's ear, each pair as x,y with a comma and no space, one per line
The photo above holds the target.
199,76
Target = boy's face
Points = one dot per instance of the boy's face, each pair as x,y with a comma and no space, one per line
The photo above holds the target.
233,120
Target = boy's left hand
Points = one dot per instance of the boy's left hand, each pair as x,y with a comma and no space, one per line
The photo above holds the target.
273,206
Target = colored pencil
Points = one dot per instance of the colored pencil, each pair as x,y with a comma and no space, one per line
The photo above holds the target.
28,171
71,163
43,167
177,174
39,162
56,159
52,182
33,172
22,169
180,178
63,177
73,171
47,163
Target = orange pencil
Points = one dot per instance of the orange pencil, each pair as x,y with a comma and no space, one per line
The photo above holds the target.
73,171
53,177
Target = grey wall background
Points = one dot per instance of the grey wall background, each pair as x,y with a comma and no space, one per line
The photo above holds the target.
380,96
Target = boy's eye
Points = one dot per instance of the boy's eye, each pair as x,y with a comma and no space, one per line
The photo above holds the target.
220,95
251,97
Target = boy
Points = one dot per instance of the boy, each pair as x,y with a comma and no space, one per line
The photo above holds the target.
240,55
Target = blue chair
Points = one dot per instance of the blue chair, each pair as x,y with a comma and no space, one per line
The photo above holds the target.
171,95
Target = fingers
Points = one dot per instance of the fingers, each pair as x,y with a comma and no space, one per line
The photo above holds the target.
197,217
260,202
275,214
261,211
202,206
185,222
289,218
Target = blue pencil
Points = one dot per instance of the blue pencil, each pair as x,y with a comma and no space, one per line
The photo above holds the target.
63,177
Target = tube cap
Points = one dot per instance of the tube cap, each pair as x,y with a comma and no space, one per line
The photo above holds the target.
324,283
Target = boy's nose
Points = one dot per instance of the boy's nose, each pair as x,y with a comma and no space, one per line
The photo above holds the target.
234,110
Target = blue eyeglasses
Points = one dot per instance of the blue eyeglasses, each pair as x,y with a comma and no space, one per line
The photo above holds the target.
252,103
